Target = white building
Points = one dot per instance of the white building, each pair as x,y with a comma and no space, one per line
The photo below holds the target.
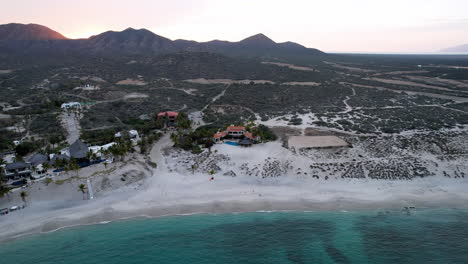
98,149
70,105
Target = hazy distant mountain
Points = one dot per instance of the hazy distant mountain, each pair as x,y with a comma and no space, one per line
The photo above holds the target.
30,40
461,48
15,31
255,46
257,40
130,41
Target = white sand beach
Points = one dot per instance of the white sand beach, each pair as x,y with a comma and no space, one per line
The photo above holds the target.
172,188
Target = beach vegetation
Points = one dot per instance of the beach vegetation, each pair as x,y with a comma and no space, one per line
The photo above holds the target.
47,181
264,132
23,196
182,121
153,165
26,147
82,188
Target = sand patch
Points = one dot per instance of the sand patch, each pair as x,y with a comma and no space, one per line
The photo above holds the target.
349,68
291,66
92,78
410,83
300,142
437,80
302,83
433,95
131,82
227,81
135,95
87,88
400,72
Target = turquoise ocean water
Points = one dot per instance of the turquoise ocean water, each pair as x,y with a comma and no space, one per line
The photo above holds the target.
422,236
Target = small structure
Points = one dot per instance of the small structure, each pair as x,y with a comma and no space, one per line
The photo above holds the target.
17,170
99,149
39,171
78,150
170,117
246,142
70,105
133,134
308,142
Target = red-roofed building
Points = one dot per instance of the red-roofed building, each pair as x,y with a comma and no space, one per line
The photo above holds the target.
250,136
170,117
219,136
235,131
168,114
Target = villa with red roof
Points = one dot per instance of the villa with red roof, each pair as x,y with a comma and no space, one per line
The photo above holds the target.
170,117
234,132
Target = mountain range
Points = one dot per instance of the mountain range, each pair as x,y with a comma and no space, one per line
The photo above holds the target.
32,39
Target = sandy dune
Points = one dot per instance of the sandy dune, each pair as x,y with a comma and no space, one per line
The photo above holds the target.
291,66
226,81
131,82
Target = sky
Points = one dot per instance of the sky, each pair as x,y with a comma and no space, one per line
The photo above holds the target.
394,26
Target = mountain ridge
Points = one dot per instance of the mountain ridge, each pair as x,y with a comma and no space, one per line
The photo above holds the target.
17,31
141,42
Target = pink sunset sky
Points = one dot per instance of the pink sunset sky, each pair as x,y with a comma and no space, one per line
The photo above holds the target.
334,25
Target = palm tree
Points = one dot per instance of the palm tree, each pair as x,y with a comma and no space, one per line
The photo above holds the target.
82,188
46,166
23,195
75,167
2,170
194,167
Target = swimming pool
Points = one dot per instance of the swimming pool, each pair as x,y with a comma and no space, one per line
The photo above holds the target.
232,143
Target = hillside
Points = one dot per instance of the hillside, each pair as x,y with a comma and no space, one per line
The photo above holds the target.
16,31
130,41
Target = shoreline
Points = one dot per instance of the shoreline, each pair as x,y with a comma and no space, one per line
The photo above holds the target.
109,215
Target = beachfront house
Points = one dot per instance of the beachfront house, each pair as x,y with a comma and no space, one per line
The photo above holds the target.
169,118
17,170
234,132
36,162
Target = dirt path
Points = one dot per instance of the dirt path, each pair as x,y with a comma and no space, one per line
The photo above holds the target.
71,124
157,156
345,102
433,95
197,116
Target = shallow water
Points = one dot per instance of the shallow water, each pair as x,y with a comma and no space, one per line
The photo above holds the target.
419,236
